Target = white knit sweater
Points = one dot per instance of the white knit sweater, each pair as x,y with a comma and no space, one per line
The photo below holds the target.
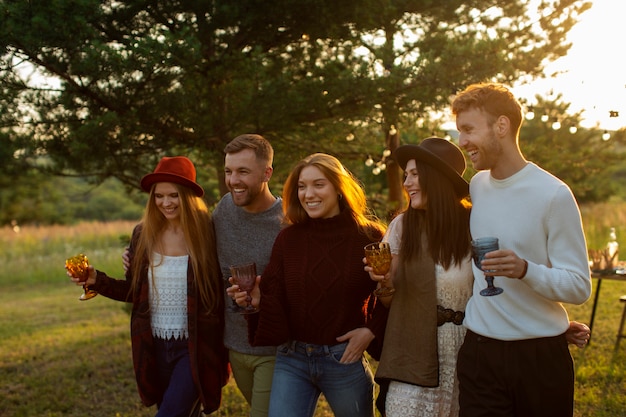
534,214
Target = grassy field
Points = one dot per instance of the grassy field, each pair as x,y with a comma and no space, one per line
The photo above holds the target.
64,357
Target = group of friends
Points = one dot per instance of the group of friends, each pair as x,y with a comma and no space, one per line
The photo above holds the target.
442,349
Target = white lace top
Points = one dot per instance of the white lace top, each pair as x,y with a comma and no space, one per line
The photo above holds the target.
168,297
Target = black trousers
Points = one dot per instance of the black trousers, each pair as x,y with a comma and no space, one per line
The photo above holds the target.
525,378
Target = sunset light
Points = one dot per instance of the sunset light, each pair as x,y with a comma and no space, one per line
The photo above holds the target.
592,76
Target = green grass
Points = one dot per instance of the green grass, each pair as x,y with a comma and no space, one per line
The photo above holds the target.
64,357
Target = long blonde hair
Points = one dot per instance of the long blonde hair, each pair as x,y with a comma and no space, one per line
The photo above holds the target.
351,194
196,223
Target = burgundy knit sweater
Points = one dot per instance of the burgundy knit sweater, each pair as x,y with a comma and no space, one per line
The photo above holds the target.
314,288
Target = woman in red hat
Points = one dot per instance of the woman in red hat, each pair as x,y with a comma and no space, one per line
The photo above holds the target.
175,287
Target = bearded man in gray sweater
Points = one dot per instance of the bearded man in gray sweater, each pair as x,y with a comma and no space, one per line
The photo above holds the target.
247,220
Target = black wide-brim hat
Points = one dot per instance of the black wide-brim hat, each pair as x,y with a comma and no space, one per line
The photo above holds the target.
176,169
442,155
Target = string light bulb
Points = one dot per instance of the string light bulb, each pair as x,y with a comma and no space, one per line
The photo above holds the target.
606,135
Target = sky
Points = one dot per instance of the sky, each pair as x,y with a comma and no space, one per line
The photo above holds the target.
593,75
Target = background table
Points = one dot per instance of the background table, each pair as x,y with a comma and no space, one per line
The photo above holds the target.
599,276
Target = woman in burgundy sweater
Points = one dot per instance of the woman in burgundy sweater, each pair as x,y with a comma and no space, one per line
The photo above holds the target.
314,294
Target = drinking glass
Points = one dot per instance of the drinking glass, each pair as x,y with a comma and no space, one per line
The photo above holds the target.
480,247
378,256
78,267
245,277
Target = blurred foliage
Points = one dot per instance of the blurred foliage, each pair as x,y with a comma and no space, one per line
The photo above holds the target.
35,198
103,89
594,168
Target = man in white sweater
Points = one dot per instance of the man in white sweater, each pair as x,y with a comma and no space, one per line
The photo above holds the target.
515,360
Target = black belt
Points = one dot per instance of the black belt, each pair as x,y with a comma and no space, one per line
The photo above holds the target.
447,315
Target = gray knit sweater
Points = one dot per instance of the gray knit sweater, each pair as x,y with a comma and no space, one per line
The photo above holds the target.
244,237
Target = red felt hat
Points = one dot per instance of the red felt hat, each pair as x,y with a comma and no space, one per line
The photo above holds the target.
176,169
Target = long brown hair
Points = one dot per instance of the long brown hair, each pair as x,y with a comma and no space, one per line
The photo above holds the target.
445,219
196,223
351,194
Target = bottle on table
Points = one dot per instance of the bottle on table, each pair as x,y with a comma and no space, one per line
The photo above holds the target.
612,250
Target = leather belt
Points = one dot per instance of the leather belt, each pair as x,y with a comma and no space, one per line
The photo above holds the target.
447,315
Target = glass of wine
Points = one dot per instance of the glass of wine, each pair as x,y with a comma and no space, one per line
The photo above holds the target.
480,247
78,267
245,277
378,256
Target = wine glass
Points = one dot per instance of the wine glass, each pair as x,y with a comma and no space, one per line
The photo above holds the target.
480,247
378,256
245,277
78,267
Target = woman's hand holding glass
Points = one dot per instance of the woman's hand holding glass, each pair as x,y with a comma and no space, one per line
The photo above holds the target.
378,278
379,264
82,273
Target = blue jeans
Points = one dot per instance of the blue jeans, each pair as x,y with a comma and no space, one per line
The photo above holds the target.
304,371
175,373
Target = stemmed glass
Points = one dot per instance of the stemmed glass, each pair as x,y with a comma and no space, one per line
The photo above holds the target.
378,256
480,247
245,277
78,267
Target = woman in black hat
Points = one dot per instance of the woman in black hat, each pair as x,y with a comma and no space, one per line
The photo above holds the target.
175,287
433,278
432,274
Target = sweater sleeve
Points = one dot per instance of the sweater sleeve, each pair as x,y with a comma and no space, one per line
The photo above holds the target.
376,322
270,326
377,313
117,289
567,278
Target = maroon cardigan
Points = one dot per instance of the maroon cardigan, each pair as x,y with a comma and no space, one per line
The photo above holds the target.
209,358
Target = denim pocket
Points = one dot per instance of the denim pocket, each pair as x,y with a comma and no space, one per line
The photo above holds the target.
336,353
